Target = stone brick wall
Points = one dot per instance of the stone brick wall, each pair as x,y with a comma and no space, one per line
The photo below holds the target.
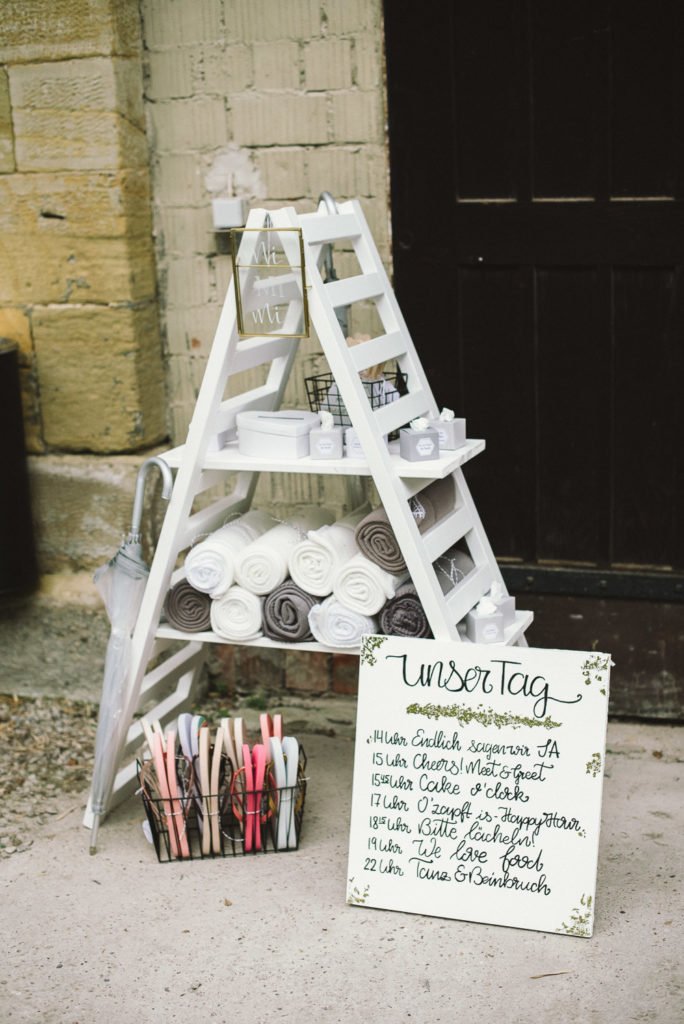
77,274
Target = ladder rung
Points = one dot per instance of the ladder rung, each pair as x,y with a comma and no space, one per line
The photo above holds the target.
257,398
318,228
170,671
466,595
210,518
209,478
377,350
353,289
446,533
397,414
257,351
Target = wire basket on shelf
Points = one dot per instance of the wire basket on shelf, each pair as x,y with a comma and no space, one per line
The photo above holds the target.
232,822
324,396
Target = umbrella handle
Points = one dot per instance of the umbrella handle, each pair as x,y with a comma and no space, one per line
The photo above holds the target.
331,206
167,487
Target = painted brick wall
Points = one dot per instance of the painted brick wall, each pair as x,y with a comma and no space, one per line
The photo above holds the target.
286,100
277,101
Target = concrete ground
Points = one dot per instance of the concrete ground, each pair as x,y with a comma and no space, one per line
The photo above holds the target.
119,937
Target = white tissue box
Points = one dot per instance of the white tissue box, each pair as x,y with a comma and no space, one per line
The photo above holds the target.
283,434
417,445
452,433
506,605
326,444
352,446
353,449
485,629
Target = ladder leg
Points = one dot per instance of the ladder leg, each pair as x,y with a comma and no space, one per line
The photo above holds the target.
183,668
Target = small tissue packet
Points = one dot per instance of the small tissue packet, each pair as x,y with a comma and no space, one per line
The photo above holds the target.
503,601
326,441
419,441
451,431
353,448
484,624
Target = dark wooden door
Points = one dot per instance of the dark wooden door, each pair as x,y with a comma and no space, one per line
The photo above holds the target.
537,174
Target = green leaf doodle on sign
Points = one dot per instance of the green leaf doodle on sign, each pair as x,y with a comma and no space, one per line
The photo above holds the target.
580,919
593,669
368,648
480,714
356,895
594,765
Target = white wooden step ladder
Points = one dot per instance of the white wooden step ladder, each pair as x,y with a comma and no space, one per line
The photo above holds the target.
210,455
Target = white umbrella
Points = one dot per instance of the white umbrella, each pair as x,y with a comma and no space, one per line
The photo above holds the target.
121,582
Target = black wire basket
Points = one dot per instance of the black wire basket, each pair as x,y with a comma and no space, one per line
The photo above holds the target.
232,822
324,396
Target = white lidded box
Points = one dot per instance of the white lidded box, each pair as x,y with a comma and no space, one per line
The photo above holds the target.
284,433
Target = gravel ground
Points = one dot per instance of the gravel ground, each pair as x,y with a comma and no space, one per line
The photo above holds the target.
47,745
46,750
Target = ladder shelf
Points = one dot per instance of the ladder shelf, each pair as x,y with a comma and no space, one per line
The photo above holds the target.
512,634
229,458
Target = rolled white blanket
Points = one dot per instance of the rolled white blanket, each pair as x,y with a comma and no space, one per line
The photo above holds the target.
263,565
210,565
315,560
364,587
237,615
336,626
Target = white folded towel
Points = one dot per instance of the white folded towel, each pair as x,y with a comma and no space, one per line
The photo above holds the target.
315,560
210,565
336,626
237,615
263,565
364,587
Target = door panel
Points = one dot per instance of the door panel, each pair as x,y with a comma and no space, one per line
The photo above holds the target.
572,415
647,420
565,45
487,300
644,73
483,59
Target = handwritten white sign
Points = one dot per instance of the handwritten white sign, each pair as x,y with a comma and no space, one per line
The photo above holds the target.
477,782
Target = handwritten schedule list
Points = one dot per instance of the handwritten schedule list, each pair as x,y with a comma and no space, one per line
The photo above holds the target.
477,782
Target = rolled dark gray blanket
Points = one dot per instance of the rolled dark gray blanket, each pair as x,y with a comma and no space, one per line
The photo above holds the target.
433,503
377,542
404,615
452,567
187,608
376,538
286,613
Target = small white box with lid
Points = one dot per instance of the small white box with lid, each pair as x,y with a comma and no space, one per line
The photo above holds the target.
284,434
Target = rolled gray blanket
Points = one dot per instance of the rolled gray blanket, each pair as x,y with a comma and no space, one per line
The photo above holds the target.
404,615
377,542
433,503
187,608
286,613
375,537
452,567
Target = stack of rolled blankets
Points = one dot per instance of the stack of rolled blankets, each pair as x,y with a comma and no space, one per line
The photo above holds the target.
311,577
239,577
